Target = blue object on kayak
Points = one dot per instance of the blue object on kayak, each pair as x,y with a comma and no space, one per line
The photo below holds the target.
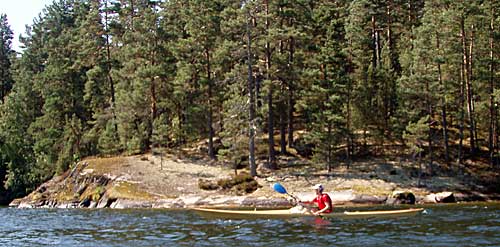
279,188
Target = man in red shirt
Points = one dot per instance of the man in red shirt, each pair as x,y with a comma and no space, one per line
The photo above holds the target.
323,201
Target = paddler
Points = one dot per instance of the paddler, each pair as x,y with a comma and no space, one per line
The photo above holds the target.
323,201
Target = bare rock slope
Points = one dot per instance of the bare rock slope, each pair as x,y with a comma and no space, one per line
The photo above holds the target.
147,181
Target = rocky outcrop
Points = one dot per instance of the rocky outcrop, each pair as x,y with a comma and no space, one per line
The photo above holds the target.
100,185
73,189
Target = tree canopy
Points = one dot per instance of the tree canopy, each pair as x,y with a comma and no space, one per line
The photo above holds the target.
331,79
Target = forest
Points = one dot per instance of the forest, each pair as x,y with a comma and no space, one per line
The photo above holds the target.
340,79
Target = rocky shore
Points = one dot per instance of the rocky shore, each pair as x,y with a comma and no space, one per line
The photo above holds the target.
148,181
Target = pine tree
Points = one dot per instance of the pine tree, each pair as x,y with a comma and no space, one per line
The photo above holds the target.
96,58
326,98
20,109
359,51
139,75
6,55
61,86
202,30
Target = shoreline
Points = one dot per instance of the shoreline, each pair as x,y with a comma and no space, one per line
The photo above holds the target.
143,182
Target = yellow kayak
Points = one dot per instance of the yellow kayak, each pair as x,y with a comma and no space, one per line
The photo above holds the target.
289,213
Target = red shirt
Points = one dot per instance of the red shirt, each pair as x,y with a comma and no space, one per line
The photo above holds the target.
323,200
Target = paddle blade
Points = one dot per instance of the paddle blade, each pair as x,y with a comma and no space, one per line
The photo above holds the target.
279,188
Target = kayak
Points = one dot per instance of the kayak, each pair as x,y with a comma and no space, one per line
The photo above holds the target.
288,213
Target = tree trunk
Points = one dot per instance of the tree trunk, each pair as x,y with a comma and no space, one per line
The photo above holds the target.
109,67
271,164
349,135
376,58
471,79
431,122
282,114
251,96
492,126
443,105
211,134
462,114
330,147
291,100
468,85
153,107
282,109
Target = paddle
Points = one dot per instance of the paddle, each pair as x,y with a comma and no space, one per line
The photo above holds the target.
280,189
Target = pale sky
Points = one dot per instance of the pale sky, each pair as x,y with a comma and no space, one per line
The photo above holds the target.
21,13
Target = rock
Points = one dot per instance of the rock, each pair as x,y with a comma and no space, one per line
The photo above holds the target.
442,197
342,197
68,205
81,188
445,197
169,203
15,203
125,203
369,199
25,205
105,202
85,203
187,201
401,197
471,196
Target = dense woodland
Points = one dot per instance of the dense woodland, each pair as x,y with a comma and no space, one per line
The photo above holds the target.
110,77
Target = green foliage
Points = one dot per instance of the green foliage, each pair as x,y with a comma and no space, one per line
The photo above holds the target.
416,133
98,192
105,77
108,142
6,57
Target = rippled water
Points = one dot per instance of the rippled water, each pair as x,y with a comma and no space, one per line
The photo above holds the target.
439,225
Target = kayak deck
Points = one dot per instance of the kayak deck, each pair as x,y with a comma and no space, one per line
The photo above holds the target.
286,213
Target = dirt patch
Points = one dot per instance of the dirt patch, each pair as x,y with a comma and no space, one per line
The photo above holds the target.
161,177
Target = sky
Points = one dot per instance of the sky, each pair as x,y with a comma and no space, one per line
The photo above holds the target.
21,13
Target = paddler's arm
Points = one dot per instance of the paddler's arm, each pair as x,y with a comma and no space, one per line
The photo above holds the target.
322,210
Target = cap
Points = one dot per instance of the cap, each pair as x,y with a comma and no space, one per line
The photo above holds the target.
318,187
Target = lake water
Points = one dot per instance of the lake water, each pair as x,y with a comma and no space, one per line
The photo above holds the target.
438,225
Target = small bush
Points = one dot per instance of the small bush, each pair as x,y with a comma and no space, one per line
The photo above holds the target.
207,185
98,192
240,184
246,187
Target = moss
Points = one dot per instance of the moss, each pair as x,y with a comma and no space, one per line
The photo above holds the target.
128,190
106,165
